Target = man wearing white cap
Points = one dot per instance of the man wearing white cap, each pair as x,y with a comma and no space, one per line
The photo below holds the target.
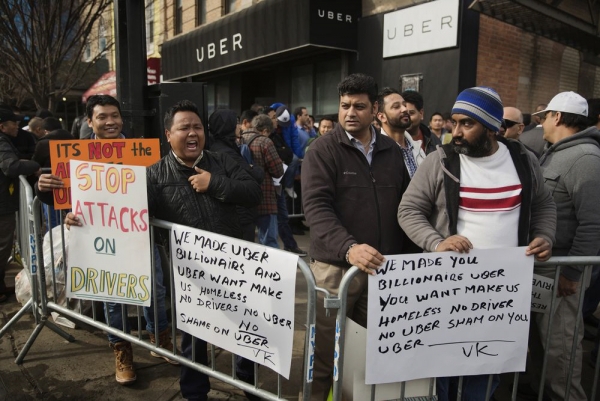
571,168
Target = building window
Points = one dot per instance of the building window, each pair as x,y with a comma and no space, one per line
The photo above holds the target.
102,39
217,95
149,26
178,25
200,12
87,53
328,74
314,86
302,87
232,6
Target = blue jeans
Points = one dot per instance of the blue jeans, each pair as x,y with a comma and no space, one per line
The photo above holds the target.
267,230
292,171
114,311
474,387
285,232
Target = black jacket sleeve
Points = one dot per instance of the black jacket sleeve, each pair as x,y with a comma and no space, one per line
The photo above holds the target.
237,186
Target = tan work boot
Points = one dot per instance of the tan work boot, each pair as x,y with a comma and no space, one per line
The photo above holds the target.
164,341
125,373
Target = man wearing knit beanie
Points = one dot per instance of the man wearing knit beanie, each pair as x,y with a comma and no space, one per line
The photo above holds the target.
487,192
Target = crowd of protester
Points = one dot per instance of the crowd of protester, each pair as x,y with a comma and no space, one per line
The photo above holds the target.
373,180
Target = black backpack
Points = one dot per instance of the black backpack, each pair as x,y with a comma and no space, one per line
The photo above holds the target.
283,150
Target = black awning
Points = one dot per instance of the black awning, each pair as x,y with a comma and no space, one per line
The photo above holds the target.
265,29
544,20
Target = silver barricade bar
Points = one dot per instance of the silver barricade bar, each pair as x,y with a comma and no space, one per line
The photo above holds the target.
339,302
45,306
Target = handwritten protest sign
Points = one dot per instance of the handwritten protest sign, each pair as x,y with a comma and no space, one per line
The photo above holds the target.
109,256
448,314
236,295
541,293
134,152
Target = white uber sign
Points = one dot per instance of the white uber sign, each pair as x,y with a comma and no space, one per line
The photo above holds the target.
421,28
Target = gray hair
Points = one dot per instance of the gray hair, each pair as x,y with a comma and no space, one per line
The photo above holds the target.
262,122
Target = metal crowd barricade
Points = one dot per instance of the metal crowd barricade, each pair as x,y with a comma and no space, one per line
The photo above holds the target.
43,306
339,302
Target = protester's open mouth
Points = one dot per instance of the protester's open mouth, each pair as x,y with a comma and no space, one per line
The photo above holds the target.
192,145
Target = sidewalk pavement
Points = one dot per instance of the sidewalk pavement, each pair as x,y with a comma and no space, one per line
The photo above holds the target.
55,369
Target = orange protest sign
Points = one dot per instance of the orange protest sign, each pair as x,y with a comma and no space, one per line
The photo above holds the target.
135,152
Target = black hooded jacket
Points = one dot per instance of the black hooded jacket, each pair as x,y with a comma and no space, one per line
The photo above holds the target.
222,125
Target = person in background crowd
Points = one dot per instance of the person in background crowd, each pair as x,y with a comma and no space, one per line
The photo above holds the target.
11,167
512,123
533,135
23,141
395,119
245,124
222,126
325,125
413,102
443,209
36,127
536,120
448,123
436,125
571,167
264,156
104,116
353,180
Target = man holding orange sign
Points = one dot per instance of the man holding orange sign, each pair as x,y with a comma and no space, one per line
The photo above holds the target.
109,145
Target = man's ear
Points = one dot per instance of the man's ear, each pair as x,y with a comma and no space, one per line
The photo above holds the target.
381,117
375,107
168,135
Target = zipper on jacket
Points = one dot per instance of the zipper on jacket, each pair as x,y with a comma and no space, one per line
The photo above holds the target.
374,193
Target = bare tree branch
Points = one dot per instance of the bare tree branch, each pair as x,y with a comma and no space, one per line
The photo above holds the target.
42,47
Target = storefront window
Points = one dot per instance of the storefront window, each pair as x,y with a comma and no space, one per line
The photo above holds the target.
210,99
302,87
314,86
217,96
328,77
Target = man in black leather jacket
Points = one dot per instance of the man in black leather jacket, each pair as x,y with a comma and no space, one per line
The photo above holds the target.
217,184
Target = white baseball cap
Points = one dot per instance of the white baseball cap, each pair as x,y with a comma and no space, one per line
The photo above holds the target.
567,102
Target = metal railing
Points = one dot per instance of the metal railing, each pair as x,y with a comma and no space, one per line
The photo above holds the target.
30,237
339,302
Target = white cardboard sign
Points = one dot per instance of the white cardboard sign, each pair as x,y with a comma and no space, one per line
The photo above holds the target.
109,256
236,295
541,293
449,314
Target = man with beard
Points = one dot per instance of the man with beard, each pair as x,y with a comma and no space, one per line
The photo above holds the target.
395,119
420,133
478,181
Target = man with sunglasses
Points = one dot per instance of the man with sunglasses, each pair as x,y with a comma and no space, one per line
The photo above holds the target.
512,123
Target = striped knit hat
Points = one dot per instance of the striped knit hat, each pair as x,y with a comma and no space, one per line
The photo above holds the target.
482,104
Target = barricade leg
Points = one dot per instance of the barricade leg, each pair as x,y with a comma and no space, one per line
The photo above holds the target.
26,308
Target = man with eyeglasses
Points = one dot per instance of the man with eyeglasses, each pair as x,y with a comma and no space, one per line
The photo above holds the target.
512,123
